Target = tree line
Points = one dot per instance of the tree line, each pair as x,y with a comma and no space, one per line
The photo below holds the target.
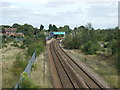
26,27
102,42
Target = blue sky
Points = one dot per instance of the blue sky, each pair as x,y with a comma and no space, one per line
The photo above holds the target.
101,14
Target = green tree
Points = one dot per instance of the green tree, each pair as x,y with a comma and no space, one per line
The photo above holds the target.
66,28
26,82
77,41
89,26
5,26
41,27
39,47
3,30
68,42
50,27
91,48
54,28
15,25
28,30
19,64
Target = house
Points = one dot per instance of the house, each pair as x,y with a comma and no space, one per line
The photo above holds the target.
19,34
10,30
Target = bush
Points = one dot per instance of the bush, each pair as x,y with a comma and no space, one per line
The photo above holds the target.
9,39
19,64
116,61
26,82
68,42
4,45
22,46
39,47
114,46
15,45
16,42
34,66
76,42
91,48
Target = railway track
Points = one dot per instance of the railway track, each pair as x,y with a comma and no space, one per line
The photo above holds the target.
67,73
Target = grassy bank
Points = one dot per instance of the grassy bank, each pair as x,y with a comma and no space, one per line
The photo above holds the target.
101,66
41,73
8,57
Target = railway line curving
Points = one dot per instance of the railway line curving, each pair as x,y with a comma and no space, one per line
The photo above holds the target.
66,73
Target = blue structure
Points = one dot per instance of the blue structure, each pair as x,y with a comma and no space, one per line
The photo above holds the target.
54,34
58,33
49,37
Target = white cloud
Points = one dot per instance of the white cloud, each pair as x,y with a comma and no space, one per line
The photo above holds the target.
40,1
72,12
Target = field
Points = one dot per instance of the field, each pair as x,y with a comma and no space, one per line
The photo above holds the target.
8,57
0,69
40,75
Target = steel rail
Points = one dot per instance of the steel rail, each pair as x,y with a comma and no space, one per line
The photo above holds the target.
89,80
70,73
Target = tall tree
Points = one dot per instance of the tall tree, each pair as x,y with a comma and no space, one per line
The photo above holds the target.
15,25
41,27
89,26
3,30
66,28
5,26
50,27
55,28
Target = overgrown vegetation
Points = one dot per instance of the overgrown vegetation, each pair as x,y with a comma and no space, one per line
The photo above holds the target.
19,64
103,42
34,40
26,82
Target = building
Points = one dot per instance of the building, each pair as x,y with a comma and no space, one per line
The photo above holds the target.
10,30
19,34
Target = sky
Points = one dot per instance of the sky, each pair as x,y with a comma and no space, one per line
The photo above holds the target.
100,13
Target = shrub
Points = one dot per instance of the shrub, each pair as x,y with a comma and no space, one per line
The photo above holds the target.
116,61
34,66
39,47
19,64
68,42
22,46
15,45
15,42
77,42
91,48
9,39
4,45
114,47
26,82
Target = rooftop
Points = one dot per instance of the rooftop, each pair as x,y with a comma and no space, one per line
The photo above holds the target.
10,29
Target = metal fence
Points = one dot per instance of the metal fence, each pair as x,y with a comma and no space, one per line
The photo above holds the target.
27,70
